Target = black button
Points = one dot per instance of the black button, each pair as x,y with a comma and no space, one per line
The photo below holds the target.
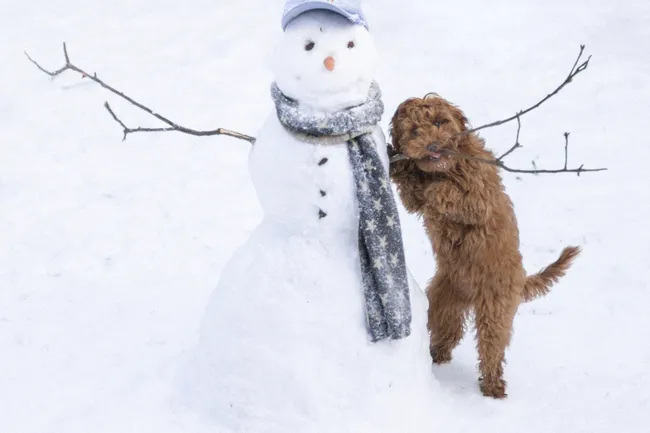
322,161
321,214
322,193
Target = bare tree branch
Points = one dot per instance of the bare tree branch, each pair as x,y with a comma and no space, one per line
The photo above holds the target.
499,163
566,149
517,145
173,126
575,70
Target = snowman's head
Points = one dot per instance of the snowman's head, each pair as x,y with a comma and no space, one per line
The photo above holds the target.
324,61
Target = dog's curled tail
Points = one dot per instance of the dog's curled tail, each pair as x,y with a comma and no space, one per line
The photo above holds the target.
539,284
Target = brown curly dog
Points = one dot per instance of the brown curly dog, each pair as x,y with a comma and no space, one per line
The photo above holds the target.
471,223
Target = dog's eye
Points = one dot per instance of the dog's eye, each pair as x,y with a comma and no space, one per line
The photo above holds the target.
414,133
351,44
440,122
310,46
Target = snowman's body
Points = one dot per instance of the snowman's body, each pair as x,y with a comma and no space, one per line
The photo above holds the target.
284,344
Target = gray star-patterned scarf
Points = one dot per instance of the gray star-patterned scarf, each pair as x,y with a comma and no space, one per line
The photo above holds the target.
381,251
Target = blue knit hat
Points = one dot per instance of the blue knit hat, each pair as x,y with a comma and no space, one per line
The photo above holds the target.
350,9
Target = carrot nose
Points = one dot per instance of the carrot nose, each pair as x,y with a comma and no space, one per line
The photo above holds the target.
330,63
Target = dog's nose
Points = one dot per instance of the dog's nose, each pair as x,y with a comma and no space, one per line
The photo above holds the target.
433,148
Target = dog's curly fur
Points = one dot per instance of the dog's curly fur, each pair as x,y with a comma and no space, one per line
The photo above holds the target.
471,223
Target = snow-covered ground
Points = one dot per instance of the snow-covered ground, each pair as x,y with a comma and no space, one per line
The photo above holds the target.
109,250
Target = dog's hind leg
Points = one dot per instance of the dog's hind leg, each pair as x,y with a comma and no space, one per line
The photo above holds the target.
448,307
495,313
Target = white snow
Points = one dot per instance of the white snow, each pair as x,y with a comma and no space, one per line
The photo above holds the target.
109,250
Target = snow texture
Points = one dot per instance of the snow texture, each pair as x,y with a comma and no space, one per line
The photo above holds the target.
381,250
109,250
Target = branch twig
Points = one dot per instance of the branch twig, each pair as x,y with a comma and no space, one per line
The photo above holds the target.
499,163
575,70
517,145
566,149
173,126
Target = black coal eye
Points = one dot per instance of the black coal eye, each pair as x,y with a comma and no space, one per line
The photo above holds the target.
437,123
351,44
310,46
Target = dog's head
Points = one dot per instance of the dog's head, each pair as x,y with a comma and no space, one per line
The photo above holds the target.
427,131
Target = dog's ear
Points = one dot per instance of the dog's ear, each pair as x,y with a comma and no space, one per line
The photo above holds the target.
459,117
395,128
402,119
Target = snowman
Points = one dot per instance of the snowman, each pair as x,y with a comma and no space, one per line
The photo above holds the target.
316,325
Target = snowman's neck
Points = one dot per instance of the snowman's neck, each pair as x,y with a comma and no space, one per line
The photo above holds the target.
333,101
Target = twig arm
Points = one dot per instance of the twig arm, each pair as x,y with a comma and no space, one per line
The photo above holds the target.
575,70
173,126
499,163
